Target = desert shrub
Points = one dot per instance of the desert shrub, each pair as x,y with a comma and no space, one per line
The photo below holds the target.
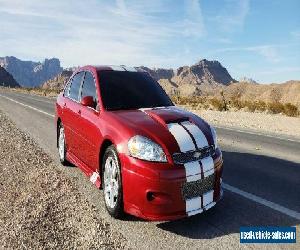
198,102
276,107
236,103
290,110
251,106
194,102
260,106
225,108
217,104
180,100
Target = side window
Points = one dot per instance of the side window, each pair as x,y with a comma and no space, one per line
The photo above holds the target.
89,87
67,88
75,86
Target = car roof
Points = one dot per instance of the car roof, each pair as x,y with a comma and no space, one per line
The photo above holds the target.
112,67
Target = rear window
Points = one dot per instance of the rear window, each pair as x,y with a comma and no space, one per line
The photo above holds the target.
121,90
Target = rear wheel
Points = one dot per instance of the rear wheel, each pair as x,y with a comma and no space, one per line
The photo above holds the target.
62,151
112,188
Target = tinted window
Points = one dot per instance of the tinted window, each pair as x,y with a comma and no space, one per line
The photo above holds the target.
75,86
89,88
131,90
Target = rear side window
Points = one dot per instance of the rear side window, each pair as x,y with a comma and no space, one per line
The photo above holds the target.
67,88
75,86
89,87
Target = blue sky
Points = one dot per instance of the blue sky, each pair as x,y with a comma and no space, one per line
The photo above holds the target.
257,39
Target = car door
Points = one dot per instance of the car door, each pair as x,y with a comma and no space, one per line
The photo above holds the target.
71,114
90,126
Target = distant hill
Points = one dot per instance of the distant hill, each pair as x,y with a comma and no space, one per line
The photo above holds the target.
288,92
192,80
208,78
29,73
247,80
7,80
58,81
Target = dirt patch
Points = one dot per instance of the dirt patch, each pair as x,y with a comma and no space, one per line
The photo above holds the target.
261,122
40,207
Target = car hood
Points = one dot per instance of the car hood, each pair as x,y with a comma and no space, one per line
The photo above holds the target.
155,123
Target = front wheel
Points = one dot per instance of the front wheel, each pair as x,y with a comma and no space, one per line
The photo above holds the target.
112,190
62,145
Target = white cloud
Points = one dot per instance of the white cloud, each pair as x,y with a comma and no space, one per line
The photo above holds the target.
281,70
268,52
193,24
295,34
233,15
95,32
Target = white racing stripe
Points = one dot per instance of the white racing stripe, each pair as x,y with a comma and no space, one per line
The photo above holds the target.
208,166
182,137
193,206
193,171
201,141
208,198
28,106
198,135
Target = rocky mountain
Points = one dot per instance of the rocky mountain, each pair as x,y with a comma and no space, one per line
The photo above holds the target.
288,92
31,74
186,80
247,80
203,73
192,80
7,80
58,81
159,73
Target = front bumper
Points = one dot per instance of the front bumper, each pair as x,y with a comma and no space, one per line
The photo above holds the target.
153,191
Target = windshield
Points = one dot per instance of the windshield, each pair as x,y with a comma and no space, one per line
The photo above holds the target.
121,90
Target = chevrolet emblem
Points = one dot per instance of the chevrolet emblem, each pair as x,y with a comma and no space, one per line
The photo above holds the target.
197,154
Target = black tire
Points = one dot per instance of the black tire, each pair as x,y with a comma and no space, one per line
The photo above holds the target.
116,207
62,155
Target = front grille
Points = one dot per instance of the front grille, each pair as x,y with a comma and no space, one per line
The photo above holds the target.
197,188
195,155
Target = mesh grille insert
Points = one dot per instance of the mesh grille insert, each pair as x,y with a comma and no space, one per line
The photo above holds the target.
197,188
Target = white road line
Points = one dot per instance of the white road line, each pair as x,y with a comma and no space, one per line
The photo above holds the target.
256,133
240,130
28,106
269,204
36,99
252,197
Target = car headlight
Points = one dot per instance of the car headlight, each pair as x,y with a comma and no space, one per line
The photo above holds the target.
145,149
214,135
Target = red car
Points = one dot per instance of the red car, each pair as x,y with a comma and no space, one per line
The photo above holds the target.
153,160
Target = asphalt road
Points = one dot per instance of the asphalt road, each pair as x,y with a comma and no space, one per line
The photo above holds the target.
261,181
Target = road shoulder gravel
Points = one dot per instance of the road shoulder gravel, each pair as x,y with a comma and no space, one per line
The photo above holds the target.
40,207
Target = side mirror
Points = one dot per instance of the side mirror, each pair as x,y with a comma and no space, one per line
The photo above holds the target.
88,101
